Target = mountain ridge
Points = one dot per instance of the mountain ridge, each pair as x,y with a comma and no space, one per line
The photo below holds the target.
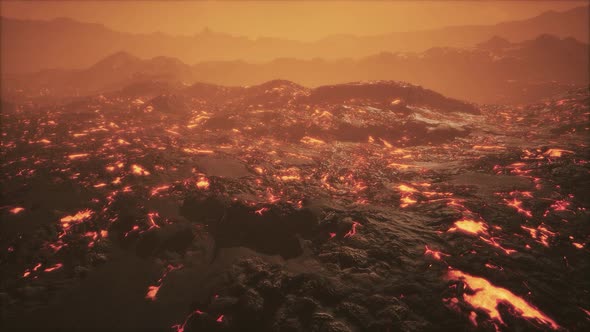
480,74
71,44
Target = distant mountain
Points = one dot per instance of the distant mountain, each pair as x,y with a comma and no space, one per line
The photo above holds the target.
496,71
29,46
505,73
496,43
111,73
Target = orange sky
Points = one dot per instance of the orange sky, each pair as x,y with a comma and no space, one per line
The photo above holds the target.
305,20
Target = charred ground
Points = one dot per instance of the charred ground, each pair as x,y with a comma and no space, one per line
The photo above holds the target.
374,206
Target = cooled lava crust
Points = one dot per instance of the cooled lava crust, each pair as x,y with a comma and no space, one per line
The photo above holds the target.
376,206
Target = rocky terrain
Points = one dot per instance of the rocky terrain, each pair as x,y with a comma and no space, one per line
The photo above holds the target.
375,206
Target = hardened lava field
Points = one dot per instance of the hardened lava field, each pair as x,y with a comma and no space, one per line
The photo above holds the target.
377,206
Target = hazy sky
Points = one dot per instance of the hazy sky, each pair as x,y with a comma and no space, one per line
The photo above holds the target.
303,20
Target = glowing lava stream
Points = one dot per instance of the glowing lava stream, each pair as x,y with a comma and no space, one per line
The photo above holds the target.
181,327
516,204
434,253
487,297
77,156
154,289
77,218
472,227
406,198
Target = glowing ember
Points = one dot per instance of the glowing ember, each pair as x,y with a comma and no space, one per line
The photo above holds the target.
203,183
386,143
556,153
561,205
77,218
515,203
197,151
181,327
77,156
487,297
138,170
156,191
152,292
312,141
261,211
151,216
400,166
488,147
219,319
406,201
352,231
541,234
406,189
493,242
172,132
16,210
492,266
435,254
473,318
578,245
290,177
53,268
469,226
406,198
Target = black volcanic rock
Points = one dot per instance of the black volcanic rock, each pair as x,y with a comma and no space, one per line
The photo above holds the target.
389,92
148,88
271,93
116,61
171,104
6,106
211,92
495,43
232,225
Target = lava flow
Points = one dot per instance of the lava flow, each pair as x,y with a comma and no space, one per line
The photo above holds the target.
483,295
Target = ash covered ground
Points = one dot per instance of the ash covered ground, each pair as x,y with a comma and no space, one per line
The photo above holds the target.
377,206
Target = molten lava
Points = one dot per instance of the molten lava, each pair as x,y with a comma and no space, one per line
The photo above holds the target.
203,183
77,218
152,292
138,170
483,295
16,210
434,253
352,230
469,226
